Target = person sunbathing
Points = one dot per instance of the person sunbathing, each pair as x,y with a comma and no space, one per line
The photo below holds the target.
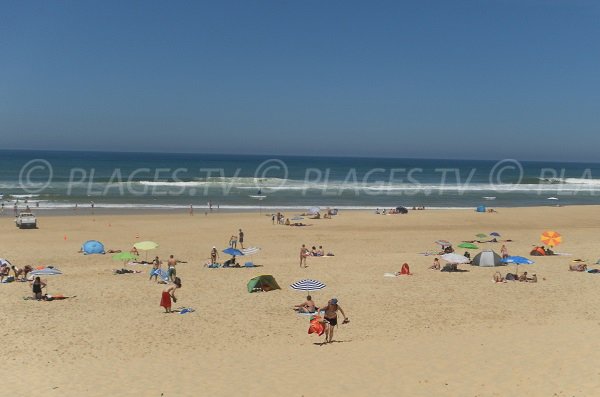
533,279
320,251
580,267
404,271
498,278
523,277
306,307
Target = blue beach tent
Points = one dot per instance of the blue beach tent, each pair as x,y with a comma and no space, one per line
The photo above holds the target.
481,208
92,247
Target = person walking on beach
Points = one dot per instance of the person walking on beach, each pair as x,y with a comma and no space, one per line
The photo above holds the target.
303,254
191,210
2,210
92,205
155,269
214,254
172,271
241,239
331,316
168,294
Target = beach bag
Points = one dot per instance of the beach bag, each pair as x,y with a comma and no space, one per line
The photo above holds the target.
316,326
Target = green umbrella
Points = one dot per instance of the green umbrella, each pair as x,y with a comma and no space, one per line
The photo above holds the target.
124,256
481,235
468,246
146,245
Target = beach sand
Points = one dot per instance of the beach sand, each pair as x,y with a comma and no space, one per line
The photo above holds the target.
429,334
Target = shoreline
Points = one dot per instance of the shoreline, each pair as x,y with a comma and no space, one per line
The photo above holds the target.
199,211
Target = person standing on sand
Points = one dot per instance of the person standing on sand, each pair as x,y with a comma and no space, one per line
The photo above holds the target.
303,254
241,239
191,209
155,269
504,251
172,271
168,294
214,254
330,317
233,241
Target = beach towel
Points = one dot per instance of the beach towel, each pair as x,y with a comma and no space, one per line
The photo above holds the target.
165,300
184,310
316,326
8,279
389,275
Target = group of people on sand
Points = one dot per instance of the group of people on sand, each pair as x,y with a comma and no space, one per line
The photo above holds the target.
330,314
20,274
314,251
235,239
171,268
498,278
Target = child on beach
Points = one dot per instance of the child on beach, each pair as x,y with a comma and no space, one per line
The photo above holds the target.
168,294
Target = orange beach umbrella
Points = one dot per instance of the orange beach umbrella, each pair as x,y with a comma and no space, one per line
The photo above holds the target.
551,238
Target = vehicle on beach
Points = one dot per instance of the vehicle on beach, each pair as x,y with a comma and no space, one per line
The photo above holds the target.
26,220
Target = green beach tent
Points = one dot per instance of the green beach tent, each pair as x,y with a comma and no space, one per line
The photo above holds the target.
263,283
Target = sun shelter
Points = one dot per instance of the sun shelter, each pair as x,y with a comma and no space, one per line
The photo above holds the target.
487,258
263,283
92,247
481,208
4,262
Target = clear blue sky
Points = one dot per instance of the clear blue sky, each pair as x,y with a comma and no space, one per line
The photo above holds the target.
429,79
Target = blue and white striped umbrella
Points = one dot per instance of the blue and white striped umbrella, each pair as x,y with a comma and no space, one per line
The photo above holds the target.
307,285
250,250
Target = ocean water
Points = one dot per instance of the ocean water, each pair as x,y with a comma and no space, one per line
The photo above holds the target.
59,180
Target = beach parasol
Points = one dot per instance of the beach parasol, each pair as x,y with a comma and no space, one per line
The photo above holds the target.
468,246
307,285
455,258
517,260
145,246
124,256
47,271
233,252
481,235
251,251
495,234
551,238
443,243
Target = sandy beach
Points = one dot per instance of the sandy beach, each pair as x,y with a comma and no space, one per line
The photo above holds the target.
429,334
